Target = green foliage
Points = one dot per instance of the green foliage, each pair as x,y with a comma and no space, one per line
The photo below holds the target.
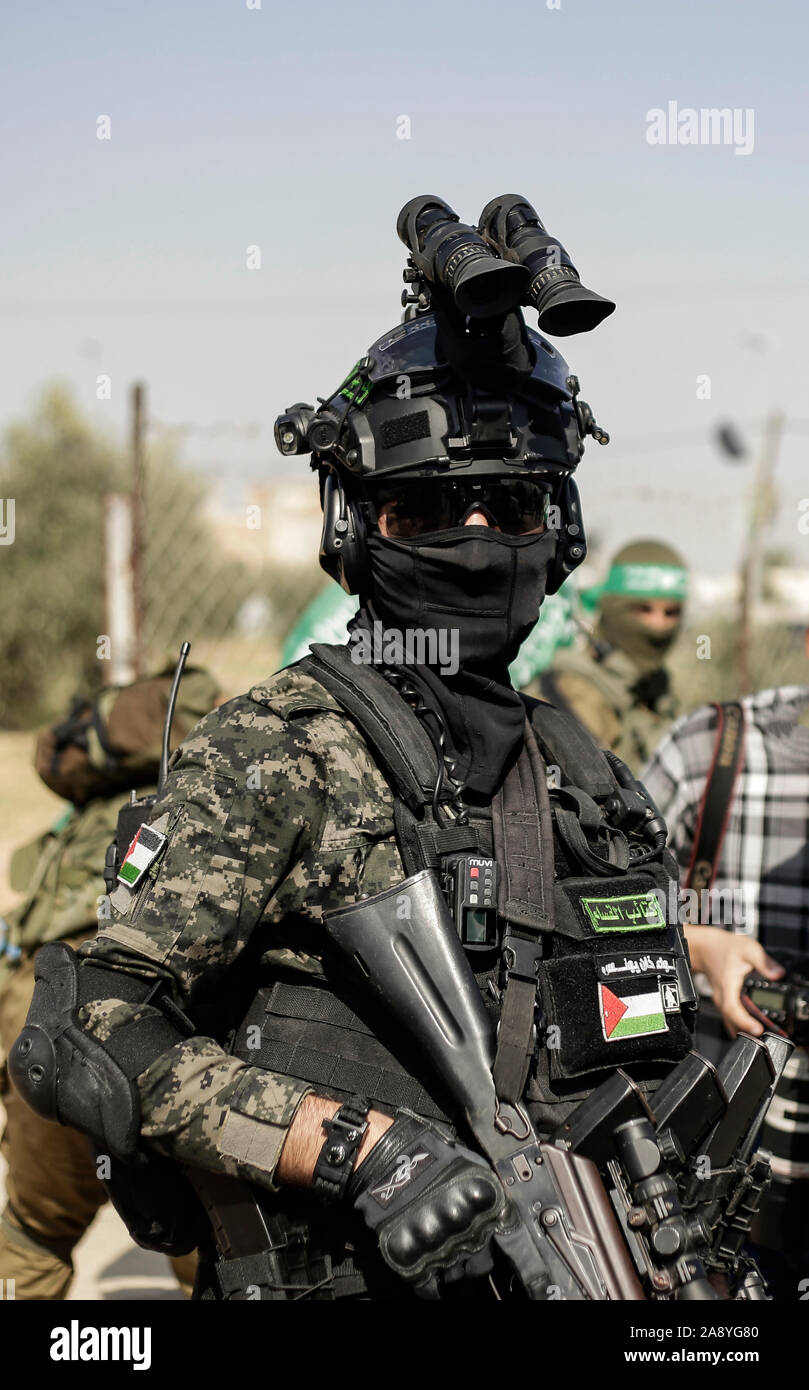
777,658
57,468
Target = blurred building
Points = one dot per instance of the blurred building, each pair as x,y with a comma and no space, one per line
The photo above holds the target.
785,596
277,524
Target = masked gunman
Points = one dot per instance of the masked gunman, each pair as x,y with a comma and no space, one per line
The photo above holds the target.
618,683
391,928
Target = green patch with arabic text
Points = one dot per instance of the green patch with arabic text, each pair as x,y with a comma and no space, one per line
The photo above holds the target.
634,912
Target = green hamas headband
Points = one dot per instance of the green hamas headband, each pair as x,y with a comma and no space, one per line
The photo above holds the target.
647,581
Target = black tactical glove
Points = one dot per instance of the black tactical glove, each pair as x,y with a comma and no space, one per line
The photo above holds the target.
432,1204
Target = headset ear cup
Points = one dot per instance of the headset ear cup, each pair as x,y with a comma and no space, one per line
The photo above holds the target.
355,553
571,548
343,553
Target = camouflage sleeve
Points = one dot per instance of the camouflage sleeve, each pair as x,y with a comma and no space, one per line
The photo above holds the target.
203,1107
242,807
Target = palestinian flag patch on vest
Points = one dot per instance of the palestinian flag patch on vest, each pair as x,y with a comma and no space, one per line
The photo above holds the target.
632,1010
142,853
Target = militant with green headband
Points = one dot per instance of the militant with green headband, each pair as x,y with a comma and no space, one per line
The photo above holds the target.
644,570
461,391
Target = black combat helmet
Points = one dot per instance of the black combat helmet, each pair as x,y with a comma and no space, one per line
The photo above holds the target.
444,395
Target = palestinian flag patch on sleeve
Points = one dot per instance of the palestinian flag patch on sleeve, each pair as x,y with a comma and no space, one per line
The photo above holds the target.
141,854
632,1010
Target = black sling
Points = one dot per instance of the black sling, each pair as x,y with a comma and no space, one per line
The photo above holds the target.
717,796
523,845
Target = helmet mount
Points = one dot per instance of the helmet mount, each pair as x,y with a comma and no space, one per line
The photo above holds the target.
460,388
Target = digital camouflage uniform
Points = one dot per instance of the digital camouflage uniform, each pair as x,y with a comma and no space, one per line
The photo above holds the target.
52,1188
276,813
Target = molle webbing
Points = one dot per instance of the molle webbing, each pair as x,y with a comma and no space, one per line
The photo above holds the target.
309,1033
523,837
423,843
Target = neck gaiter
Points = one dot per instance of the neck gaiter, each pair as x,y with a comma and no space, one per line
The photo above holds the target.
474,595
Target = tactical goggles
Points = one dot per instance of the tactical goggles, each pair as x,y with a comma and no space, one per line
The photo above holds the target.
514,505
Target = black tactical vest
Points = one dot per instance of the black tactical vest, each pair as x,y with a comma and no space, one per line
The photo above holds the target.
614,987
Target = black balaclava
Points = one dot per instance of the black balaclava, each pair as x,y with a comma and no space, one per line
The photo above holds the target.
484,589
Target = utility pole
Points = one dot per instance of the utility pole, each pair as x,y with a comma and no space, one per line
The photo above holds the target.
138,408
762,509
119,607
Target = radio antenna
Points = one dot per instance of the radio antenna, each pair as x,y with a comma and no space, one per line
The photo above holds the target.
175,686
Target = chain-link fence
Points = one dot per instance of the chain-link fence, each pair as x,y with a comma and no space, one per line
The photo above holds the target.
218,581
225,567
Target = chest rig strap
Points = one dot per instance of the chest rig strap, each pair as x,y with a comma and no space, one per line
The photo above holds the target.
405,752
523,845
394,732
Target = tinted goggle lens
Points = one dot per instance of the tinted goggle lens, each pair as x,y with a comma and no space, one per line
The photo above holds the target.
516,507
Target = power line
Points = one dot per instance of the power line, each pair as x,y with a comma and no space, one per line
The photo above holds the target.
689,439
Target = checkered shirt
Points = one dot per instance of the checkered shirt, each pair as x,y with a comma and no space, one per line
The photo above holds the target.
765,852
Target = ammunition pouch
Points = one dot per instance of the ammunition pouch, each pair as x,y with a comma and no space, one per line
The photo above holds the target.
284,1246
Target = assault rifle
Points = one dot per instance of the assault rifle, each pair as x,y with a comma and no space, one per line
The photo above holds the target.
624,1201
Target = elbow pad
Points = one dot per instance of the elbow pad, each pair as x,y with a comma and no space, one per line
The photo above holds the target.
64,1073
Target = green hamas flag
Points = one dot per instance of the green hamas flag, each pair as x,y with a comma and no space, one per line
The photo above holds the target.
647,581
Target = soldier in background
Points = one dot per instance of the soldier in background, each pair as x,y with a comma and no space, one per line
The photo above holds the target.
92,759
618,685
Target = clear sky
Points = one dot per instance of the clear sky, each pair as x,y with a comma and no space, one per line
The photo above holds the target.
277,127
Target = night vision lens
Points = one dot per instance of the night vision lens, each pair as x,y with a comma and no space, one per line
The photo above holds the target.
455,256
